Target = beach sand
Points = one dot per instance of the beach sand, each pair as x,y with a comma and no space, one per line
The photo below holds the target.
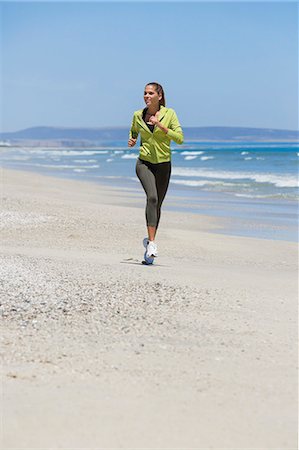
98,351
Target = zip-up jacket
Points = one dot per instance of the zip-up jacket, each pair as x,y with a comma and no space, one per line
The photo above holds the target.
155,146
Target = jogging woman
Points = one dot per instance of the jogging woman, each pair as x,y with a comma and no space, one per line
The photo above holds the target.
157,126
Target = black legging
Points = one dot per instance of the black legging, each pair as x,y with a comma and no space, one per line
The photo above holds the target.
154,179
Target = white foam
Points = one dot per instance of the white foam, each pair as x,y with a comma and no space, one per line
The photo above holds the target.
109,176
130,156
248,158
16,158
205,158
252,196
63,166
187,153
244,153
277,180
79,170
196,183
189,158
109,160
66,152
195,147
84,160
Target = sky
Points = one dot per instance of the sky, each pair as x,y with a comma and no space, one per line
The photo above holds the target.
85,64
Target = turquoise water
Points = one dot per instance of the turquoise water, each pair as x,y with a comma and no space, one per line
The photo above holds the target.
255,185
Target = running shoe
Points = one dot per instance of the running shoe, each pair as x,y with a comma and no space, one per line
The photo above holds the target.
145,242
151,249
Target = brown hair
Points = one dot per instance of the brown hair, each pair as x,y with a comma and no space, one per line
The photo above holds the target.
160,91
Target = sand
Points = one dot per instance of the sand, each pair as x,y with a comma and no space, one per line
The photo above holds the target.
98,351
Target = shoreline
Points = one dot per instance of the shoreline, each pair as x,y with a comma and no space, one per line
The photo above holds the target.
269,219
101,351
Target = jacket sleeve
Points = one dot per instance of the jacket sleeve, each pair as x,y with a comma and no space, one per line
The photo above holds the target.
133,130
175,131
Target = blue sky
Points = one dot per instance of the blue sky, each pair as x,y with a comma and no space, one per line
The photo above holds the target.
86,63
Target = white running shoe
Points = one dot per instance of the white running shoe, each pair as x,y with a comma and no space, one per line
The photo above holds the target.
151,249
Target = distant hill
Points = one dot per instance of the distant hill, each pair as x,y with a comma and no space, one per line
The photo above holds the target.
96,136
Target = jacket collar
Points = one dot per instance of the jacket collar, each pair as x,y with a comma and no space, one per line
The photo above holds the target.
162,113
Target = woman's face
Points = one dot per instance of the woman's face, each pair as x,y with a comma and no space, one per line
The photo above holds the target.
151,96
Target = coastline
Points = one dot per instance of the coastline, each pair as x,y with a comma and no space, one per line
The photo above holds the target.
56,144
159,356
236,215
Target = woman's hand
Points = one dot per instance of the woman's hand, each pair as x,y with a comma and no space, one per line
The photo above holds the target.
132,142
154,119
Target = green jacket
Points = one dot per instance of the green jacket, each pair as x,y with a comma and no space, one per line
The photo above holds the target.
155,146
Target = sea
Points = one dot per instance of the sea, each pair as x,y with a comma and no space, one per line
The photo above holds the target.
253,185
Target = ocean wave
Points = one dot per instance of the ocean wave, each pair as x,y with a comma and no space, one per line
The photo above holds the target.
66,152
109,176
278,180
84,160
193,147
269,196
255,195
109,160
130,156
187,153
15,158
62,166
205,158
244,153
79,170
248,158
189,158
195,183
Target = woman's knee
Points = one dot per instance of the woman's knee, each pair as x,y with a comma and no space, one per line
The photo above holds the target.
152,200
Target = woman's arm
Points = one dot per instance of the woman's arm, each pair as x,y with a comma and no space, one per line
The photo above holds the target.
133,134
174,131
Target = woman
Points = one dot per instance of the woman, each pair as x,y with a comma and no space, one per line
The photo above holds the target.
157,126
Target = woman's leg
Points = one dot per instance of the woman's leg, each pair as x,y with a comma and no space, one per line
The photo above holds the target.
162,182
148,181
